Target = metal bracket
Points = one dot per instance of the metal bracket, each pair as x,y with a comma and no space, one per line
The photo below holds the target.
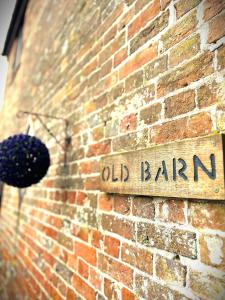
67,139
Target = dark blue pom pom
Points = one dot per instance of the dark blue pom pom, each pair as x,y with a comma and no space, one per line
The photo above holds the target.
24,160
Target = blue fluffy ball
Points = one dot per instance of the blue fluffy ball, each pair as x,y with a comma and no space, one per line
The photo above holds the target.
24,160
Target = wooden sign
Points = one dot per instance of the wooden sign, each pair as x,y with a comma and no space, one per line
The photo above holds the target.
193,168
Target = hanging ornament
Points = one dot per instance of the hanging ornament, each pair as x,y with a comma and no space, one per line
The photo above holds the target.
24,160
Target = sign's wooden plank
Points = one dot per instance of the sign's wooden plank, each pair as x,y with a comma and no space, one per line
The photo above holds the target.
193,168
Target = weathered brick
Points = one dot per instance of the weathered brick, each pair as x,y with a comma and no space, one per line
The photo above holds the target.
134,81
199,67
130,141
143,207
221,57
212,250
212,8
149,32
151,114
121,227
156,67
111,246
206,285
149,289
63,271
216,28
148,14
116,270
65,241
171,210
178,32
184,6
172,239
207,95
128,123
179,104
112,128
184,50
137,257
207,215
171,271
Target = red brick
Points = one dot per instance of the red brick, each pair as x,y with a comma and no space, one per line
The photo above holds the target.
116,270
80,198
179,104
109,290
120,56
80,232
83,288
196,125
122,204
96,238
70,294
143,207
119,226
95,279
137,257
207,94
99,148
216,28
127,295
154,28
105,202
212,8
110,35
86,252
150,12
92,183
151,114
138,61
83,269
111,246
89,167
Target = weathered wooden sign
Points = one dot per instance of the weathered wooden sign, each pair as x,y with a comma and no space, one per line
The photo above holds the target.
193,168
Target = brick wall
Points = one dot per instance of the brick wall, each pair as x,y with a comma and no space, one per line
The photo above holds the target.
127,74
